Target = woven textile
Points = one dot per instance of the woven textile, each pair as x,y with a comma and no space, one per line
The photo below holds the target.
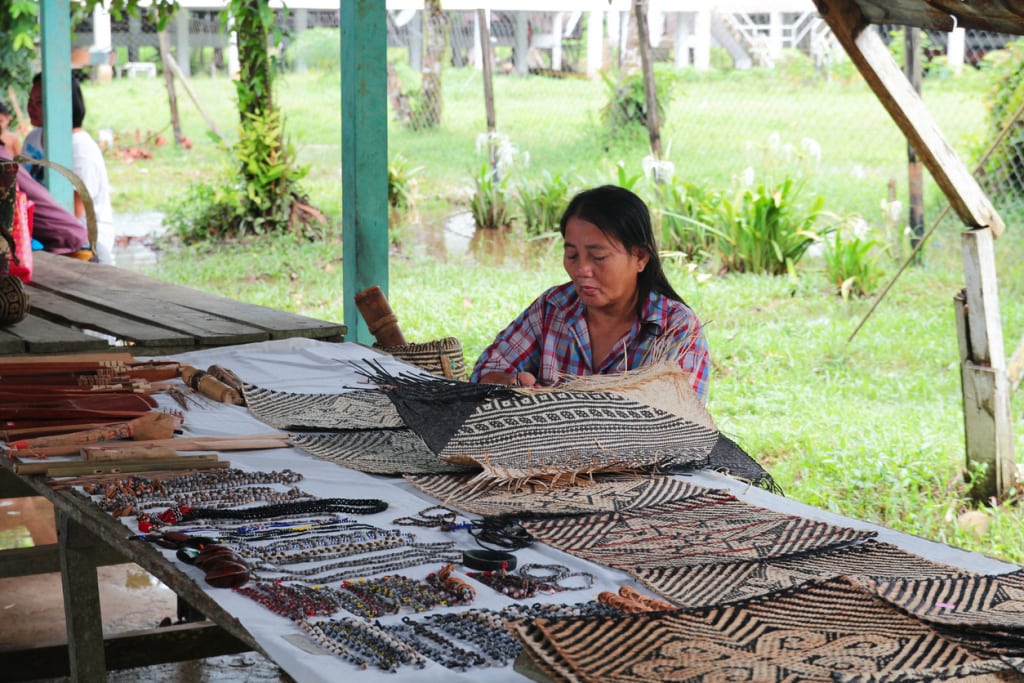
984,613
526,435
715,584
442,357
382,451
602,493
352,410
521,435
814,633
712,527
728,458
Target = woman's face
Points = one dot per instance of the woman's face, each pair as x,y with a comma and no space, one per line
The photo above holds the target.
603,272
35,105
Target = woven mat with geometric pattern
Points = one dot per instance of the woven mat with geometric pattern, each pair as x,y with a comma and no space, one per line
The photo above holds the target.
827,631
713,527
984,613
714,584
381,451
601,493
365,409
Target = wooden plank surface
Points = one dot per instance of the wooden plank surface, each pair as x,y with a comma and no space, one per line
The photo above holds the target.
942,15
64,311
123,292
212,319
42,336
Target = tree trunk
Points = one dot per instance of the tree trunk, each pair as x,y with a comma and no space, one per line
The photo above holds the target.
647,65
434,40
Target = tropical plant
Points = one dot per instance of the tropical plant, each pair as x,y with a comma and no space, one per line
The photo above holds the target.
401,182
542,202
850,261
688,213
765,230
492,202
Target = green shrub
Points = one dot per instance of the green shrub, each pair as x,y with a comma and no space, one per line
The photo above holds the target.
767,230
401,182
850,263
206,212
542,202
315,48
625,113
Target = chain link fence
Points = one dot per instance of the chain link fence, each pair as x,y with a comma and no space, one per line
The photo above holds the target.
744,95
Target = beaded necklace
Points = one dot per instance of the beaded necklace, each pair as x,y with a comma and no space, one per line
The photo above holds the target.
379,563
350,506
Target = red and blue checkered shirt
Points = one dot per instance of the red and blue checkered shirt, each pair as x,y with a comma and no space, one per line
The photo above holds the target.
550,339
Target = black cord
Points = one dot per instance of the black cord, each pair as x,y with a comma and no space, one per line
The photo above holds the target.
500,532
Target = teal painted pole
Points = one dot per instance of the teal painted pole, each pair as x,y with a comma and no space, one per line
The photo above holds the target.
55,27
364,156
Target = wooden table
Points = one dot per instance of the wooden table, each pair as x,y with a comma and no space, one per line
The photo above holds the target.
127,311
88,538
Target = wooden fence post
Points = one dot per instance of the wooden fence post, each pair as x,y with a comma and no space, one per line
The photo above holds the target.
988,427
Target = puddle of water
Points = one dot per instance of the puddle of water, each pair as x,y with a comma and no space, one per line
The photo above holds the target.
133,241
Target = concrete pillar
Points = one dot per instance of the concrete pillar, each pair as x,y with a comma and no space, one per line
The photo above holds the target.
181,41
557,24
595,42
775,35
522,47
301,17
134,37
416,43
684,29
702,40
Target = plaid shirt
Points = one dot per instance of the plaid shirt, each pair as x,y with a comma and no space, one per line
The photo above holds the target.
550,339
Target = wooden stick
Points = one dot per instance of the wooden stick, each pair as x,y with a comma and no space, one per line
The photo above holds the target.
74,469
213,443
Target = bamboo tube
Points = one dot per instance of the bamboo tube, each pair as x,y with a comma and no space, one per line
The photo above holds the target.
148,427
100,454
380,319
209,386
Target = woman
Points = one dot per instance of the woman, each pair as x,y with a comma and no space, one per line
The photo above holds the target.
618,312
87,161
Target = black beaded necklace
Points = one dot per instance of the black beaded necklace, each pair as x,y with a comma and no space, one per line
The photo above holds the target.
349,506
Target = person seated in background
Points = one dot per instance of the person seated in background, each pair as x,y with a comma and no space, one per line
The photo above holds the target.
52,225
9,138
617,313
87,163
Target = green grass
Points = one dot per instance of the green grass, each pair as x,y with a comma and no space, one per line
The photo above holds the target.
872,428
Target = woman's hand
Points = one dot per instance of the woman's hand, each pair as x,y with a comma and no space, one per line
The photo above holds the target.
519,379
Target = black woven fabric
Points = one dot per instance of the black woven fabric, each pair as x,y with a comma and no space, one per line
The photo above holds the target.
728,458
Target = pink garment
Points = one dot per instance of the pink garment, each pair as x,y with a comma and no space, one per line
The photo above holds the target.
54,226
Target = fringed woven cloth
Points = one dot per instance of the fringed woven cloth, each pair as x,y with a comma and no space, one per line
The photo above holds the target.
518,435
709,528
828,631
714,584
366,409
984,613
601,493
382,451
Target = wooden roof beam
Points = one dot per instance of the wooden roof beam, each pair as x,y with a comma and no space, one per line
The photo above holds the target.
885,77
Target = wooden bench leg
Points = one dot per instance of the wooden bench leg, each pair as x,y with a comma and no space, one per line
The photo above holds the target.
81,600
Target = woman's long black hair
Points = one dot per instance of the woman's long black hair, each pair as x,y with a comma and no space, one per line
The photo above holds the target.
623,216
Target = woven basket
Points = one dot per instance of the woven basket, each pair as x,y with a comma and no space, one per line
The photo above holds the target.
441,357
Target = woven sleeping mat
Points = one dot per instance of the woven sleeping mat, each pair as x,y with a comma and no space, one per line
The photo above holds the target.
381,451
516,435
984,613
714,584
713,527
827,631
601,493
365,409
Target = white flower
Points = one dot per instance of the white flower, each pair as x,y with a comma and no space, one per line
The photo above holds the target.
747,177
774,141
811,148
